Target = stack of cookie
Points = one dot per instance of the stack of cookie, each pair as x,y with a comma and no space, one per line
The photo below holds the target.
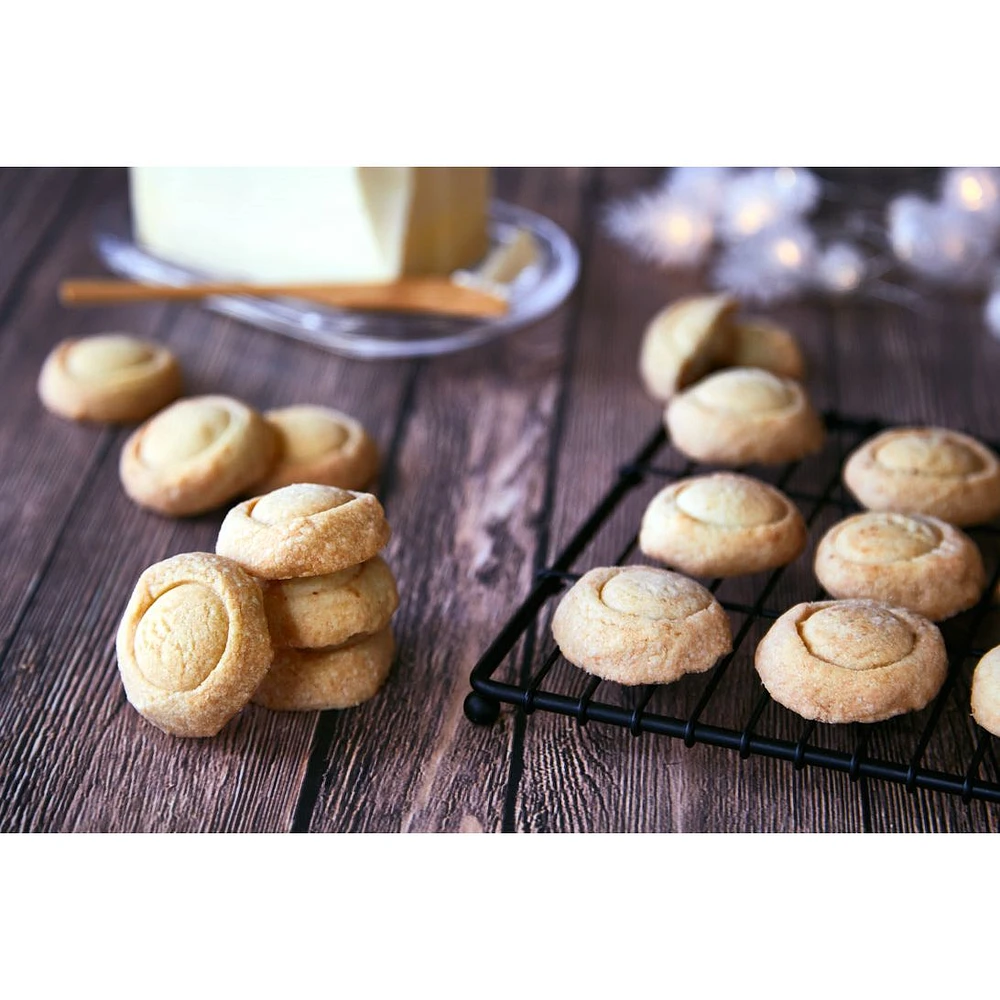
328,595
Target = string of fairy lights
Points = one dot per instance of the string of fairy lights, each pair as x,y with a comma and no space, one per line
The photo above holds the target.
754,232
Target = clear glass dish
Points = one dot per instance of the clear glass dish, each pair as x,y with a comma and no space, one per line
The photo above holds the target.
534,293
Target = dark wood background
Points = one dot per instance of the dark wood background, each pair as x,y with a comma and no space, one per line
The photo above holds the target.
492,459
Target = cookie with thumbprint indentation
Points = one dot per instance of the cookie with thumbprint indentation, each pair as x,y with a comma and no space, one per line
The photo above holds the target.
112,377
684,342
319,445
909,560
722,525
761,343
986,692
310,612
196,455
926,470
308,680
851,661
193,643
640,625
306,529
744,415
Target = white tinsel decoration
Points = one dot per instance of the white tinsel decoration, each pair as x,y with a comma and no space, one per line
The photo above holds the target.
991,313
774,264
760,198
939,241
840,268
972,189
703,186
663,227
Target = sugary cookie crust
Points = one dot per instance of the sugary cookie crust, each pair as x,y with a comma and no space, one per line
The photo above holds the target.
308,680
907,560
744,415
722,525
926,470
306,529
684,342
986,692
113,377
196,455
193,643
640,625
761,343
851,661
310,612
320,445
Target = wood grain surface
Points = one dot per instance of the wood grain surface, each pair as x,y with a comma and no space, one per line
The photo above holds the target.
492,459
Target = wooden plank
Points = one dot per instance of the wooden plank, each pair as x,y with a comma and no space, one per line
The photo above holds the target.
73,754
465,509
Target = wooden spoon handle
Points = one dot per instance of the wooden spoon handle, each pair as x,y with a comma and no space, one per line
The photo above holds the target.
437,295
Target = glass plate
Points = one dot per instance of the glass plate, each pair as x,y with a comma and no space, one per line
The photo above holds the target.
536,291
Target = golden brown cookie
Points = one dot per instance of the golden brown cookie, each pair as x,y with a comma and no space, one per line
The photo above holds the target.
305,529
684,342
851,661
926,470
722,525
906,560
193,643
195,455
308,680
113,377
309,612
744,415
640,625
986,692
319,445
760,343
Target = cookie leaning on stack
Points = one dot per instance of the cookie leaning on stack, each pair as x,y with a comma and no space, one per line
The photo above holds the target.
328,595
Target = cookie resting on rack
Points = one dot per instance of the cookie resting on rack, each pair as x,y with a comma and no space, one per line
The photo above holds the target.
640,625
909,560
851,661
723,524
760,343
926,470
744,415
986,692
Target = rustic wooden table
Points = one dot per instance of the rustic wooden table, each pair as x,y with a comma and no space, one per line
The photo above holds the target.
493,457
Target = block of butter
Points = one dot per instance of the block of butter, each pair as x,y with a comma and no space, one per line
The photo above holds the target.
312,224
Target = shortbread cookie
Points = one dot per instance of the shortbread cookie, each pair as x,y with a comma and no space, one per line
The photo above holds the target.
193,643
851,661
986,692
306,529
684,342
926,470
195,455
640,625
907,560
759,343
113,377
314,611
744,415
722,525
320,445
308,680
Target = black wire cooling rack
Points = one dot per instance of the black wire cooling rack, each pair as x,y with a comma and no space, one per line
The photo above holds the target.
728,706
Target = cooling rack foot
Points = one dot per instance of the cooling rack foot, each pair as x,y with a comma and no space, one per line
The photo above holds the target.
480,710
